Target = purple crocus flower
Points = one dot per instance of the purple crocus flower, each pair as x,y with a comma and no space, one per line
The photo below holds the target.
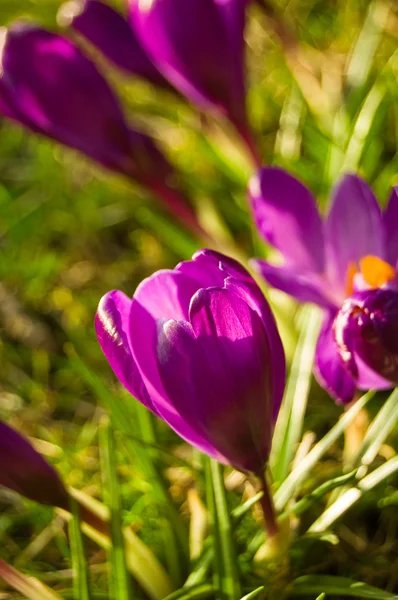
353,250
199,347
199,47
111,33
25,471
50,87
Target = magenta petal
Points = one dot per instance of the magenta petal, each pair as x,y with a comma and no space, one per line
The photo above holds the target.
287,217
303,286
25,471
112,329
366,330
198,46
329,367
353,228
224,373
110,32
390,222
163,296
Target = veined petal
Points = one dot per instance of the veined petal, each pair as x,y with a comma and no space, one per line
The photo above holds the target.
353,228
112,329
390,222
303,286
287,217
222,367
329,368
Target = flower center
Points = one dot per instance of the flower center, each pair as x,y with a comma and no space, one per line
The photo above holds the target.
374,272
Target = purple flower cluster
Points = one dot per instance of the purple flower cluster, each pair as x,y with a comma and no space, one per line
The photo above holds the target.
346,264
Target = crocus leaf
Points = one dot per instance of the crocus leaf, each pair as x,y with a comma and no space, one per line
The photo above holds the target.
337,586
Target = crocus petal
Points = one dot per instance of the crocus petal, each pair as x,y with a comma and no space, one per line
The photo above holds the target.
112,329
107,29
207,70
163,296
390,222
366,331
51,87
221,368
329,368
303,286
287,217
25,471
353,228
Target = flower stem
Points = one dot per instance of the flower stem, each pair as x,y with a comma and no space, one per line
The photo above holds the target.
268,508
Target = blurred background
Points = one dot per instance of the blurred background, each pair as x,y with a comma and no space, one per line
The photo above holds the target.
70,231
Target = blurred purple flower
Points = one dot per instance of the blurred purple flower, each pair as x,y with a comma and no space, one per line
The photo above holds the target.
111,33
49,86
25,471
199,47
353,250
199,347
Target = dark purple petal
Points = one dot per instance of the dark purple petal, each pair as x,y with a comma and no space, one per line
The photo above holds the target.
329,368
287,217
112,329
25,471
198,46
366,330
303,286
353,228
225,374
110,32
163,296
51,87
390,222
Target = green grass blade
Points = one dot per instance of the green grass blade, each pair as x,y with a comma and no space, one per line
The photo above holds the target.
337,586
379,429
81,584
30,587
352,495
119,578
230,582
289,426
193,593
124,415
288,487
253,594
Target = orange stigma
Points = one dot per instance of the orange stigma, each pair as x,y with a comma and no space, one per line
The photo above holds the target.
376,272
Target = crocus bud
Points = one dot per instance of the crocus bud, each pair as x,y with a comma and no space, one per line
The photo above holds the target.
199,47
110,32
25,471
48,85
198,346
366,332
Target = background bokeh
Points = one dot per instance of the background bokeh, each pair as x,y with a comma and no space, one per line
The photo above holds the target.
70,231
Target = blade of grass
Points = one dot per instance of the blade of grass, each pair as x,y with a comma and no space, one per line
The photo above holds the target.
230,583
379,429
81,584
351,496
194,592
119,578
337,586
289,426
30,587
123,415
287,489
253,594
